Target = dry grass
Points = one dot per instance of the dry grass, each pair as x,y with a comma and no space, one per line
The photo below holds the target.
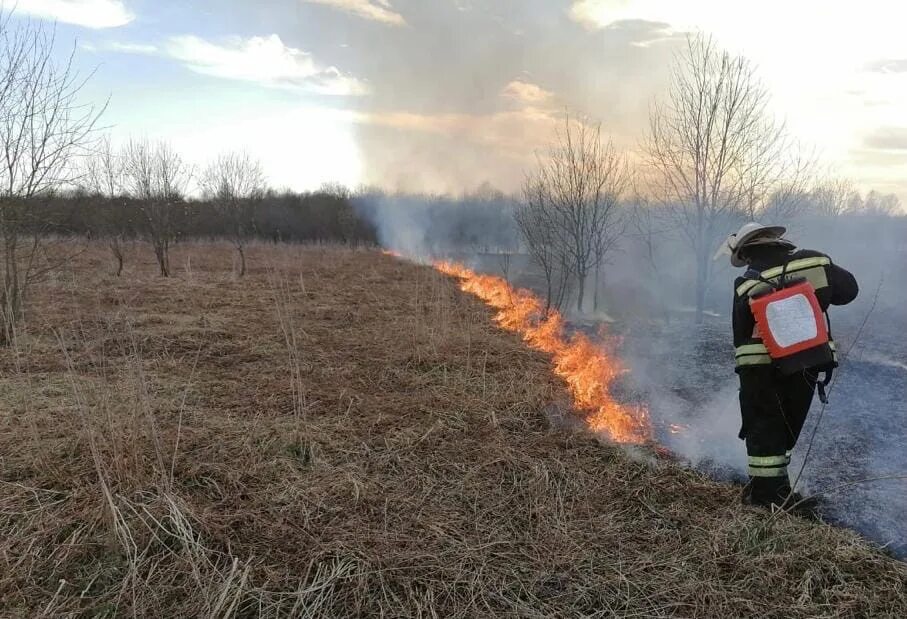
343,434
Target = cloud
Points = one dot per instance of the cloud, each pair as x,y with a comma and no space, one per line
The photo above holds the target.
125,48
87,13
887,138
526,93
587,13
133,48
604,15
264,60
888,65
644,19
643,33
866,159
375,10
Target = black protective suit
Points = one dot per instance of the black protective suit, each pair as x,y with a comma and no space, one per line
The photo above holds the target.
773,405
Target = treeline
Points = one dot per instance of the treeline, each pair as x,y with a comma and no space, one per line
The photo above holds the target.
431,224
324,215
480,221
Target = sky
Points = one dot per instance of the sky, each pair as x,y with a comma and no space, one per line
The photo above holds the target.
445,95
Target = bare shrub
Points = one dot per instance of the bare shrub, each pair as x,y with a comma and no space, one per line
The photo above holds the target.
104,178
157,176
534,221
43,129
575,193
235,183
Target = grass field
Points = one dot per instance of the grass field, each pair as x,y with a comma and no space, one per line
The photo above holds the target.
341,433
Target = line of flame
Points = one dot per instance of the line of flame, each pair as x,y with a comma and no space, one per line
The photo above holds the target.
587,369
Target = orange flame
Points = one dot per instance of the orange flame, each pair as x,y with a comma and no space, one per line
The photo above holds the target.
585,366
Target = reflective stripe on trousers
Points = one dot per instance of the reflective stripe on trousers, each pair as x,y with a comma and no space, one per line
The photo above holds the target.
768,466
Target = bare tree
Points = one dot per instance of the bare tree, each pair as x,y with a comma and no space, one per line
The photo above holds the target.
534,219
338,190
44,129
607,239
877,203
104,177
716,153
874,203
234,182
650,226
789,195
157,176
579,183
831,197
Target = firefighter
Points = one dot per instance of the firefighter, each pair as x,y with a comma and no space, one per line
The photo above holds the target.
775,394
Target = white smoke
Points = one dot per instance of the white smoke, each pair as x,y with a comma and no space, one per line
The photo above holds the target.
684,373
707,436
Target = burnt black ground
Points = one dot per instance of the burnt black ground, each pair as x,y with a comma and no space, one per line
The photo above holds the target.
686,374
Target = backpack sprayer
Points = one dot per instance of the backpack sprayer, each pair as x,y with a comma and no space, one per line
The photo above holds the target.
793,327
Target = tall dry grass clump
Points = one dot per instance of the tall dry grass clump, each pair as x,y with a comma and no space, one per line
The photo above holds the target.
340,433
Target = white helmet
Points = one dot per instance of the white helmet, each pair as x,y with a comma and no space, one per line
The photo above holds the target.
749,234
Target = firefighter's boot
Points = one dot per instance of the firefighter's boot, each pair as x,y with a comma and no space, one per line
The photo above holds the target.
774,494
766,491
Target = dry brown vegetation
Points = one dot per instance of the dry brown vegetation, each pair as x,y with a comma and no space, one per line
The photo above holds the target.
342,434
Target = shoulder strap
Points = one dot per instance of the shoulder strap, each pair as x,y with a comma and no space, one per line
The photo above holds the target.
752,273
